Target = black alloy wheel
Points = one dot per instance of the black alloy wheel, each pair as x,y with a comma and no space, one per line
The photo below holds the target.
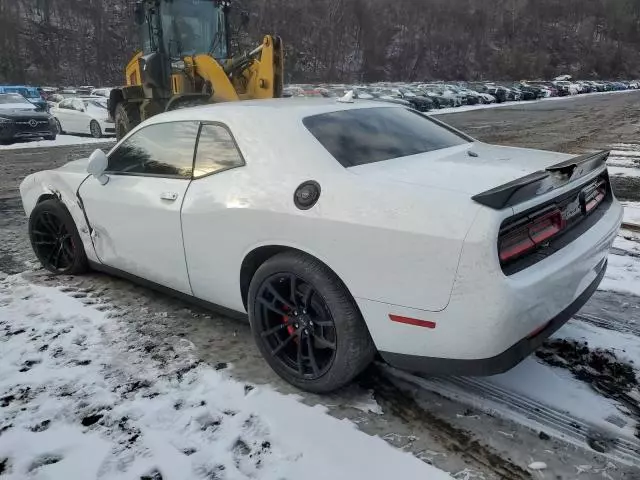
55,239
306,324
297,325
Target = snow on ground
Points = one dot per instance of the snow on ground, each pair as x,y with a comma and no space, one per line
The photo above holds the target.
60,140
631,212
623,275
84,397
559,389
625,346
624,171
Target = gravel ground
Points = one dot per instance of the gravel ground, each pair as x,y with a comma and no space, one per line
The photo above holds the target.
573,126
434,429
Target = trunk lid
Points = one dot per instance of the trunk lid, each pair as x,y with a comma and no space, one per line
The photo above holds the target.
456,168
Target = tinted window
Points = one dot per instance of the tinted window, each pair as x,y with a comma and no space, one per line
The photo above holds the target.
164,149
216,151
368,135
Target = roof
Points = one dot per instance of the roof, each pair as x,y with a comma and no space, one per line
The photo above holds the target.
291,108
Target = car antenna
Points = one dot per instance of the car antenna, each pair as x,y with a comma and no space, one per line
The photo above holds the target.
348,97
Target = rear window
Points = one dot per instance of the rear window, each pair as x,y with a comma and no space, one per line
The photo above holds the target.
368,135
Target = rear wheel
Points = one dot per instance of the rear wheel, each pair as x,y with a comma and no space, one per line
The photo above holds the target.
94,128
127,116
306,324
55,239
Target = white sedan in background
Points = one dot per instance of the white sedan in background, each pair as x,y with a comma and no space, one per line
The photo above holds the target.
342,228
88,115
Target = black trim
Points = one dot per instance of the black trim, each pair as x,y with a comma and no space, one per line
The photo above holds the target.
574,229
541,182
168,291
502,362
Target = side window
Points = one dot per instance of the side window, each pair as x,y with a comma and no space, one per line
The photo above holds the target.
163,149
217,151
66,104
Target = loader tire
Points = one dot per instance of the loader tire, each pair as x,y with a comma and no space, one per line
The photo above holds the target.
127,117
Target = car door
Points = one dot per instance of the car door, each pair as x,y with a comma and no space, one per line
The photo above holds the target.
135,216
61,112
210,217
80,120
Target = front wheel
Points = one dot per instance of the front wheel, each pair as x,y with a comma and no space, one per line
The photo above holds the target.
306,324
94,128
55,239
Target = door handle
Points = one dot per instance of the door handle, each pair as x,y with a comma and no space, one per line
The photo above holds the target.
170,196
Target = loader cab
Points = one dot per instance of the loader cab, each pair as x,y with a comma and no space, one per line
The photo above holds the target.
180,28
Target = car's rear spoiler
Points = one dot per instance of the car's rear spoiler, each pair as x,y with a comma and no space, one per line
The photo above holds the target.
543,181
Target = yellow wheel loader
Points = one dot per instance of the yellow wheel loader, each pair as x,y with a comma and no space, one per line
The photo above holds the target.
185,60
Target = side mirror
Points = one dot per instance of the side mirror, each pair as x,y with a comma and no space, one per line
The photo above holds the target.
138,13
98,163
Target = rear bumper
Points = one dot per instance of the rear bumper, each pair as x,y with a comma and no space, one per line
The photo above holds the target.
499,363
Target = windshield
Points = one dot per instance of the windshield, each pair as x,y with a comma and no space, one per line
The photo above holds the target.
194,26
12,98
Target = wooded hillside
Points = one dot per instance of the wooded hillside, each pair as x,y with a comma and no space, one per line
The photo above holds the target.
89,41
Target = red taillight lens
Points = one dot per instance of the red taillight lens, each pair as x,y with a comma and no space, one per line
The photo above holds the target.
530,234
594,197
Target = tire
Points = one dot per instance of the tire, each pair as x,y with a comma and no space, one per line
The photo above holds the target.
94,128
127,116
329,326
55,239
59,125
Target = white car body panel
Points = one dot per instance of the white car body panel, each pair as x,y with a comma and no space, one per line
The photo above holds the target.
136,229
403,235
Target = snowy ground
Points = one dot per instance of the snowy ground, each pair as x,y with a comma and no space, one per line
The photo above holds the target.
83,397
60,140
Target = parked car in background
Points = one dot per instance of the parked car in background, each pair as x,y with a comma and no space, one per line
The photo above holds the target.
20,120
32,94
88,115
500,93
100,92
417,101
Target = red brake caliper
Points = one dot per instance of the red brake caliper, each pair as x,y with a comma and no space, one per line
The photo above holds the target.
285,320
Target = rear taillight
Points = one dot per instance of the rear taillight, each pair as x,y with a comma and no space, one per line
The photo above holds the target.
529,233
594,196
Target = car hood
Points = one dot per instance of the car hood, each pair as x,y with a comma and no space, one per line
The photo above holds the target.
11,110
455,169
75,166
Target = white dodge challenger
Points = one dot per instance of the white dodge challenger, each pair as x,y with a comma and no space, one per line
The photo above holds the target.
343,230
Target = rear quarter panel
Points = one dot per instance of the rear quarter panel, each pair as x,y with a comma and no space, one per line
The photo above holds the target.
389,242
